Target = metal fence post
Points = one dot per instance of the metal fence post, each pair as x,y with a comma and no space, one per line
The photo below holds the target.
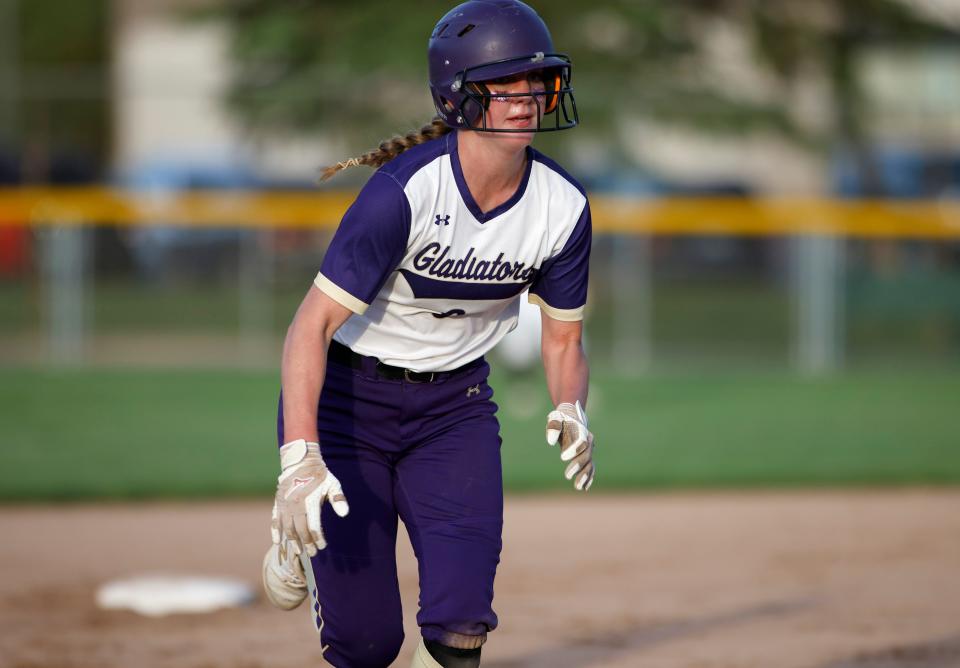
816,282
256,296
632,298
65,262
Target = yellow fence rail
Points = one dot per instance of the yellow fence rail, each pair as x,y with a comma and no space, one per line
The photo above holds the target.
323,209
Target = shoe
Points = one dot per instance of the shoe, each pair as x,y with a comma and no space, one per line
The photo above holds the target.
284,581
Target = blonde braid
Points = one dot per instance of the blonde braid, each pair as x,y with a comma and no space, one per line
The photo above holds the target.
391,148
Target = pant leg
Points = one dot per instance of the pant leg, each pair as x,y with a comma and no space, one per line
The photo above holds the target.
449,493
354,592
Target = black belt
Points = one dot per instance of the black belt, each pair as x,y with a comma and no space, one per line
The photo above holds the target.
341,354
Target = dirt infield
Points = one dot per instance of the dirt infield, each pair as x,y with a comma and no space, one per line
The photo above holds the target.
765,580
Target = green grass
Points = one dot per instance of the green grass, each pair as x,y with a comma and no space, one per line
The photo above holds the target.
122,433
766,429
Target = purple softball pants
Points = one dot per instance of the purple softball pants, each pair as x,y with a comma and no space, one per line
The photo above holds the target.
428,454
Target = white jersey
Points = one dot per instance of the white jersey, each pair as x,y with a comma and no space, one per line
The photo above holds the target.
433,281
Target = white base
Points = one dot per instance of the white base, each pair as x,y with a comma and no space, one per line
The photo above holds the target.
158,595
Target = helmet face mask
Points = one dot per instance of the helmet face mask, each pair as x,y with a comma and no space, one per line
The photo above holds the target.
555,105
486,40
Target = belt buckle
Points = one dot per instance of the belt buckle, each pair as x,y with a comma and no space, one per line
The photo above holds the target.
410,379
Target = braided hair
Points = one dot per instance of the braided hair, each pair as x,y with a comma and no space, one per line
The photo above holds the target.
391,148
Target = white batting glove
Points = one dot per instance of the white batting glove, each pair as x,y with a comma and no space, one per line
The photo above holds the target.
304,484
567,425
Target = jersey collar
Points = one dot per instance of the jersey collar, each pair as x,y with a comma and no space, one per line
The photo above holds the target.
465,195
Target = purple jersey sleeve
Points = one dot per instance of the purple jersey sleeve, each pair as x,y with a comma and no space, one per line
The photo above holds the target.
561,283
369,243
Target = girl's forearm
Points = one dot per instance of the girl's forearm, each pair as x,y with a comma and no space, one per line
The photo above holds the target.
567,372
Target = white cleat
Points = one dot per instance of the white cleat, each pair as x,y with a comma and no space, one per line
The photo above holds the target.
284,581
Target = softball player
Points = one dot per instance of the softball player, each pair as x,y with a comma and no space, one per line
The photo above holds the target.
385,400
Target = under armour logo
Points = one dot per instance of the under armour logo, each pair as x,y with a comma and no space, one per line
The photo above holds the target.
442,219
473,390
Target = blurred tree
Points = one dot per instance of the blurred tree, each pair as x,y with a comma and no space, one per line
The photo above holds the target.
831,37
343,68
359,68
54,63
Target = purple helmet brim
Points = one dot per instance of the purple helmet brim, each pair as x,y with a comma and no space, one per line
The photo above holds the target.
498,70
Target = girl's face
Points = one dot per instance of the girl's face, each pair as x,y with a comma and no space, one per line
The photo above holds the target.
516,113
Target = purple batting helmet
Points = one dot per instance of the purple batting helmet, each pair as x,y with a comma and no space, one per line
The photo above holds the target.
483,40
